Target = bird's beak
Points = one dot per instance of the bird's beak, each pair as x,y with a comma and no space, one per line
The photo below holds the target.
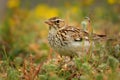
48,22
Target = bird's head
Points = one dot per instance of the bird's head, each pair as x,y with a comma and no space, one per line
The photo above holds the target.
55,22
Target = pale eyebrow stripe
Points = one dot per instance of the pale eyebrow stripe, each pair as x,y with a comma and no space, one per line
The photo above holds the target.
57,19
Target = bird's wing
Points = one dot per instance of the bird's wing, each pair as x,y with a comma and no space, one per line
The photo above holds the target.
73,33
98,36
77,34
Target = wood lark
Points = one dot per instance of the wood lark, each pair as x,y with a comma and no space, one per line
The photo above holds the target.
69,40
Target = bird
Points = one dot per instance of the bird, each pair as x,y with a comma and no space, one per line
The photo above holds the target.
69,40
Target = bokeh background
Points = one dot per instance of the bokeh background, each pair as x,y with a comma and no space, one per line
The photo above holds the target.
24,46
22,27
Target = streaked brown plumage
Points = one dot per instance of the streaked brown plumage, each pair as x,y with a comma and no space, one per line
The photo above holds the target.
68,40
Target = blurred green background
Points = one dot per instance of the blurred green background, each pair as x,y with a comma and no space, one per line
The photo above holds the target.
22,27
24,46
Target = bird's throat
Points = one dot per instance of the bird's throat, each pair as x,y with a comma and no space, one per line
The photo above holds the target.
52,30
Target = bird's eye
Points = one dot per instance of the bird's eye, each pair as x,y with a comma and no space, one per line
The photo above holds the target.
57,21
